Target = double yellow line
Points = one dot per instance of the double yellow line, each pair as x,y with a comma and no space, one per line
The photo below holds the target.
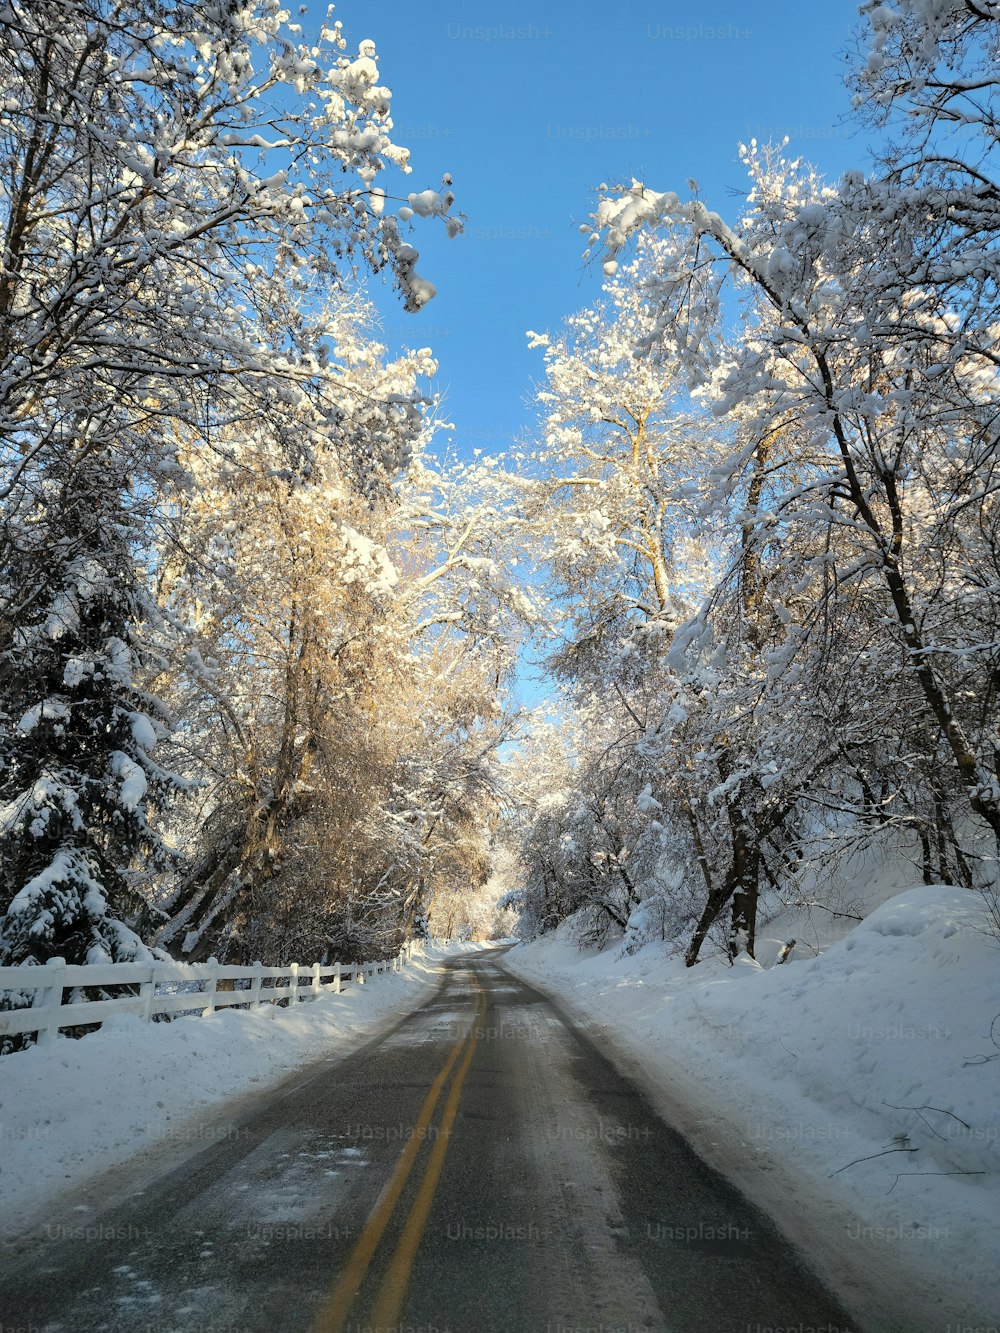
392,1292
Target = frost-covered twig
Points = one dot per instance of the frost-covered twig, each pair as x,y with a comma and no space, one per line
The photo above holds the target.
919,1111
871,1158
985,1059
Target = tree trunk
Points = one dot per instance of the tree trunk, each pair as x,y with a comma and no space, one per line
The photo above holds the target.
746,876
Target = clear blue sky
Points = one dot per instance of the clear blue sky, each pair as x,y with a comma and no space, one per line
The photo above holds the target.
531,105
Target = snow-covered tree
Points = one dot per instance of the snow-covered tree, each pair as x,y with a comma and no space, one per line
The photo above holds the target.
75,750
345,640
611,492
883,356
839,681
182,185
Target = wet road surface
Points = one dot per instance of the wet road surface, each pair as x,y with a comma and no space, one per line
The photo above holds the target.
481,1166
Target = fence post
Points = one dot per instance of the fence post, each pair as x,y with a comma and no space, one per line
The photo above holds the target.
294,983
255,985
213,982
49,1000
315,981
146,993
336,978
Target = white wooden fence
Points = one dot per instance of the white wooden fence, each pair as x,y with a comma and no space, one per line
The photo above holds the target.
157,993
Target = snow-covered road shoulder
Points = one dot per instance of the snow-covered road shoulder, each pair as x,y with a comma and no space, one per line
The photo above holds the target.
77,1107
879,1049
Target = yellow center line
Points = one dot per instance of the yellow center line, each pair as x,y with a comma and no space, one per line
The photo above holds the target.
392,1292
333,1316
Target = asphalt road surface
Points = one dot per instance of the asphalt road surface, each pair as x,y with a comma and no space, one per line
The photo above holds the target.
481,1166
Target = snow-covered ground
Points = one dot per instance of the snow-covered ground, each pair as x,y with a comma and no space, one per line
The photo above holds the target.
783,1076
78,1106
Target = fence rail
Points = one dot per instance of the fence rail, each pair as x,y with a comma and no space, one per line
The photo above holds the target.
50,1010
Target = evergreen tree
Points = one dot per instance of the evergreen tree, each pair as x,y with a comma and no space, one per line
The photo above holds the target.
76,776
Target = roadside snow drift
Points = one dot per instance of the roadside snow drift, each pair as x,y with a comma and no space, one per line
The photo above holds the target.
78,1106
882,1048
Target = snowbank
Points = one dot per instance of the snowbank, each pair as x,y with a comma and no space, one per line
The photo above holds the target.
78,1106
785,1076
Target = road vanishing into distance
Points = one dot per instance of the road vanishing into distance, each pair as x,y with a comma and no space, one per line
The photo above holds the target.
480,1166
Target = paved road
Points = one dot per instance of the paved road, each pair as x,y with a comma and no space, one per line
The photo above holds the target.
479,1167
